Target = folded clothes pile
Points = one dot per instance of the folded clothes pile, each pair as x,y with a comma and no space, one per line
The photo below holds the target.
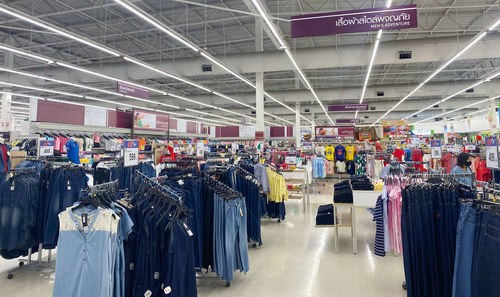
325,215
361,183
343,192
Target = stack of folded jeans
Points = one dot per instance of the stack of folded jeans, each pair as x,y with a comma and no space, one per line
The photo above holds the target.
325,215
343,192
361,183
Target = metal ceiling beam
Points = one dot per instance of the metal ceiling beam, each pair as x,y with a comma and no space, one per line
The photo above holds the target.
427,50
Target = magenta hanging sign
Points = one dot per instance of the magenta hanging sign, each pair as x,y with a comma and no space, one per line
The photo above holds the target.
353,21
133,91
347,107
347,121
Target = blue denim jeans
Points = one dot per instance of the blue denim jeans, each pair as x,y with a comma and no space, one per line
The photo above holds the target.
486,263
466,230
236,245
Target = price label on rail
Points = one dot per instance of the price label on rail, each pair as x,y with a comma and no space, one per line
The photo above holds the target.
46,148
492,161
130,153
436,152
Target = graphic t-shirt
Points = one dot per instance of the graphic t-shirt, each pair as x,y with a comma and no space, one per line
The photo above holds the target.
329,153
340,153
350,150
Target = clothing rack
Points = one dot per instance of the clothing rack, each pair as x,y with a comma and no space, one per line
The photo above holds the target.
23,170
156,184
28,261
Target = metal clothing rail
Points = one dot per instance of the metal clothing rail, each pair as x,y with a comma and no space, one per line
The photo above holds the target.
155,183
23,170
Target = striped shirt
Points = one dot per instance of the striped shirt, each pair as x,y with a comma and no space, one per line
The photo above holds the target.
378,217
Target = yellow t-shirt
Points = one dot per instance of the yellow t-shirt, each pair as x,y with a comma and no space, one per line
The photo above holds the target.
349,152
329,153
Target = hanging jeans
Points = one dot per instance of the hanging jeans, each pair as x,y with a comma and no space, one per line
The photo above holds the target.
486,263
466,233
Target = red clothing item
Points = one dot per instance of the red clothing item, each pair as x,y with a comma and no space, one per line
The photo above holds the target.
416,155
378,147
398,154
5,157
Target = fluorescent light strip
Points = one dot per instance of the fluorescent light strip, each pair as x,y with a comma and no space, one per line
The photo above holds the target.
242,78
41,89
210,114
86,87
109,77
30,20
144,16
461,117
150,67
269,23
278,37
494,25
456,94
457,109
23,53
95,99
152,21
20,103
471,43
195,117
372,60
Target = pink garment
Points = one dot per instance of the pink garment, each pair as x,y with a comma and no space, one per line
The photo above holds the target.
97,138
57,143
395,206
63,140
330,167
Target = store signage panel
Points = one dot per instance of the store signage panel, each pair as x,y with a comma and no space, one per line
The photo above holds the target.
422,132
436,150
347,107
329,132
145,120
46,148
353,21
130,153
347,121
133,91
492,161
96,116
396,128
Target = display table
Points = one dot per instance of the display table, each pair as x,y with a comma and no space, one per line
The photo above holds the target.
366,199
295,177
362,199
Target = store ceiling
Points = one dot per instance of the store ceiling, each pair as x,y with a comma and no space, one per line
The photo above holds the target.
335,65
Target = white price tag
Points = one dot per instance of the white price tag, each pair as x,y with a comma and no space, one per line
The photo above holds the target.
131,153
492,161
291,160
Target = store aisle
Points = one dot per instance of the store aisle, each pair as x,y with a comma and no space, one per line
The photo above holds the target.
296,260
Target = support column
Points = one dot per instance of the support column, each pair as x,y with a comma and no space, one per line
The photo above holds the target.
313,127
297,126
259,82
5,115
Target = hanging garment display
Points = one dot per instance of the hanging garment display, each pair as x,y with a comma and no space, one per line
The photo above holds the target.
19,198
429,218
60,187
